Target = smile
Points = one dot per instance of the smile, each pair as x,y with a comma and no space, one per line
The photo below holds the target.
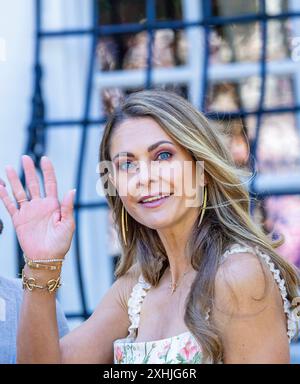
154,202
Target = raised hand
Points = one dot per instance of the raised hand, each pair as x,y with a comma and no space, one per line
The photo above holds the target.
44,227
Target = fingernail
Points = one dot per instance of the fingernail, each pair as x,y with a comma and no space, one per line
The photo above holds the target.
43,158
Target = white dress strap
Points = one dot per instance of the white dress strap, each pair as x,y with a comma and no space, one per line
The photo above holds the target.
135,301
237,248
292,321
140,289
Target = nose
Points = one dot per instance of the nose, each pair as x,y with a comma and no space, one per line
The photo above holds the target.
144,174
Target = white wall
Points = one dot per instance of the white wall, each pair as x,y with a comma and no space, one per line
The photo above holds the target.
16,31
65,70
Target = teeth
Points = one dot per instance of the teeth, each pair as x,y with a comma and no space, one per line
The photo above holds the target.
153,198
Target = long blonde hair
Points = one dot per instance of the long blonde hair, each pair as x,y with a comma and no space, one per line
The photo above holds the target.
227,218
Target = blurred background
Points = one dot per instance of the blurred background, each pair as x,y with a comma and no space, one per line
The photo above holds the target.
65,64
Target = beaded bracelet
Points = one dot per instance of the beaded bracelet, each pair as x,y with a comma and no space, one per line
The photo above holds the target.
43,260
49,261
43,264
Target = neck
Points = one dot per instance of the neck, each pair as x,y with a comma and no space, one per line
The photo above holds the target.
175,239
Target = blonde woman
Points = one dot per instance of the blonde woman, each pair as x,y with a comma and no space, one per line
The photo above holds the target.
197,282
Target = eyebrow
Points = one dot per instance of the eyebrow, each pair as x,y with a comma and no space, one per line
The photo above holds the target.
150,148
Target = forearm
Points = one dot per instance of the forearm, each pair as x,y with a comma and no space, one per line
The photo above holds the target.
38,338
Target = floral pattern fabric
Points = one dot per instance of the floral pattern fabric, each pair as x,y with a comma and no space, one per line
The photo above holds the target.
180,349
183,348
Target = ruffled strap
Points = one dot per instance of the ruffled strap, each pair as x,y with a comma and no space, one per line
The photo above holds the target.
291,319
135,301
140,289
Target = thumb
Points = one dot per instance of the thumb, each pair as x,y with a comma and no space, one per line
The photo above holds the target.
67,206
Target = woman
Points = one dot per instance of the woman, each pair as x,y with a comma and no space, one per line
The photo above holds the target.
194,283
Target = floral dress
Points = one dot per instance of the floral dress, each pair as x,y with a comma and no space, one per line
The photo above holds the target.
182,348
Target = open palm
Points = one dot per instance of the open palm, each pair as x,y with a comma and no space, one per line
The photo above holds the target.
44,227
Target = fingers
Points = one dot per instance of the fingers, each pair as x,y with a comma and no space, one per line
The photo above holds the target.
32,181
50,182
67,206
15,183
8,203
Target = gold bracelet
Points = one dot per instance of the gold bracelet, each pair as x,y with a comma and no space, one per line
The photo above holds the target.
40,265
30,283
46,261
34,265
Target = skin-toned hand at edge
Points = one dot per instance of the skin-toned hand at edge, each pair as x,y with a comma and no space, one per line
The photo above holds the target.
1,224
44,229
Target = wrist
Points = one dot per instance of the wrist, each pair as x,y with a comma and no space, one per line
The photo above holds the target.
42,282
43,275
44,258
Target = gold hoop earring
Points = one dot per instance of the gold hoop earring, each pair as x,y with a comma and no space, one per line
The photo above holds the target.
203,205
124,225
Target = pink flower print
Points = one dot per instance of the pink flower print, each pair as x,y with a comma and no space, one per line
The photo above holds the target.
165,349
119,355
166,345
188,350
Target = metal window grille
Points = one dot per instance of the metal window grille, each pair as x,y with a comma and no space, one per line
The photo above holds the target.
198,20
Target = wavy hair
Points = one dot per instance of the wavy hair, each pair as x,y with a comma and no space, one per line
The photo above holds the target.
227,218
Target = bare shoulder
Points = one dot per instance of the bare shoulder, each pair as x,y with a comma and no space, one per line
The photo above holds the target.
123,285
248,311
244,285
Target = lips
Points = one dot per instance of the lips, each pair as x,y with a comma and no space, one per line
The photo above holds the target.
154,198
156,203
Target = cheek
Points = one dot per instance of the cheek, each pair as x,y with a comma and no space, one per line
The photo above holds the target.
178,182
122,183
171,178
190,181
186,179
168,174
127,187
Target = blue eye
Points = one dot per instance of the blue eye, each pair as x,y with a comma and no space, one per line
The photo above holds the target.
163,153
128,165
121,166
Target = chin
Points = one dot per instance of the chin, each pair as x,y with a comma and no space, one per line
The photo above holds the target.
159,224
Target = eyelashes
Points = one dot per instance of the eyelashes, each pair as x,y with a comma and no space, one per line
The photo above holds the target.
123,166
169,153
